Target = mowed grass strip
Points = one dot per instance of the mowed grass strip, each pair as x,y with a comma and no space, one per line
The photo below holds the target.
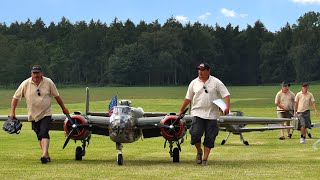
265,158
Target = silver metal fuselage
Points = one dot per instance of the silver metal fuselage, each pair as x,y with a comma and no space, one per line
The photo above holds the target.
123,125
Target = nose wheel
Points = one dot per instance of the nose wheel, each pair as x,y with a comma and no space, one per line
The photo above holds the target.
119,157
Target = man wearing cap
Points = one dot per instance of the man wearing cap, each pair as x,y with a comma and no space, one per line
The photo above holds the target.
38,90
202,91
284,101
302,103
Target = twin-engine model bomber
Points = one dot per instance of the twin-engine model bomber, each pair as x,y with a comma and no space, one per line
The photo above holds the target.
127,124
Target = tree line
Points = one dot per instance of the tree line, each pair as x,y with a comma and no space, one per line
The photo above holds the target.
151,54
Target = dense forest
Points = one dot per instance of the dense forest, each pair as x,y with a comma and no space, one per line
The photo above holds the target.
126,54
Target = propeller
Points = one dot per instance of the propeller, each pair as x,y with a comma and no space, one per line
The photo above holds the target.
172,126
75,127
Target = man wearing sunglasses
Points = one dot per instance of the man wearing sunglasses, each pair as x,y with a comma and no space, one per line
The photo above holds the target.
38,91
202,91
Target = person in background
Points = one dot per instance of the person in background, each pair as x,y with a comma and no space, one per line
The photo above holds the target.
302,103
38,90
202,91
284,101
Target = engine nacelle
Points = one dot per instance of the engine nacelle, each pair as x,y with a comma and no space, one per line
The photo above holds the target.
81,133
177,131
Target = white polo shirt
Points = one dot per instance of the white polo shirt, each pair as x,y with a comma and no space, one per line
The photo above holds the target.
202,105
38,106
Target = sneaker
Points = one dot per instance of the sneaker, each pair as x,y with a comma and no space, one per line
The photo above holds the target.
282,138
204,163
44,160
199,158
303,140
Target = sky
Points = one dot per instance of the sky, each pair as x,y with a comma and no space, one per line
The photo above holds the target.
274,14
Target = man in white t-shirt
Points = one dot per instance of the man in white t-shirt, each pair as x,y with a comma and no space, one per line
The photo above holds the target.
202,91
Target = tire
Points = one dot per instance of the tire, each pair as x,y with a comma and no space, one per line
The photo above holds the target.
120,159
79,153
175,155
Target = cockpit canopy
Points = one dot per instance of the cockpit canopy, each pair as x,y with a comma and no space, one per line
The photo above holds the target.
118,110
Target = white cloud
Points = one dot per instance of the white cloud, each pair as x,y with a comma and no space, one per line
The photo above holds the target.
182,19
228,13
306,1
204,16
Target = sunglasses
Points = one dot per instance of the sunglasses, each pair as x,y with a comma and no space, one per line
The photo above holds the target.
38,92
205,89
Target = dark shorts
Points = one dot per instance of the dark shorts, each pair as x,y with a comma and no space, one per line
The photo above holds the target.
208,127
286,114
304,119
41,128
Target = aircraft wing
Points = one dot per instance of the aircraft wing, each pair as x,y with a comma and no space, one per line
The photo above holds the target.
99,124
240,129
241,120
250,120
149,126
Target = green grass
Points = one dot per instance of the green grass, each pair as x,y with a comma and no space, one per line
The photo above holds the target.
265,158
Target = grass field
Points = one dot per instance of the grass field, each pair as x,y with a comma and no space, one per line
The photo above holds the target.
265,158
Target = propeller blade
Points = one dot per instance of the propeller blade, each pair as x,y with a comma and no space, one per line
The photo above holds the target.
67,140
162,125
181,116
70,119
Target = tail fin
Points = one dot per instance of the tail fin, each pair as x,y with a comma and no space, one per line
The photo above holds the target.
87,101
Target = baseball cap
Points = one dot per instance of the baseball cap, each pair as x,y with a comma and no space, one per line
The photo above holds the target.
36,68
304,84
203,66
285,83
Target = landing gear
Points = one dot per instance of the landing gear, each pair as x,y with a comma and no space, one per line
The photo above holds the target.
81,151
175,155
225,140
119,157
241,138
174,152
244,141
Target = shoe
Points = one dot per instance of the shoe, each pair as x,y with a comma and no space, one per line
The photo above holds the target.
49,159
282,138
204,163
303,140
290,136
199,158
44,160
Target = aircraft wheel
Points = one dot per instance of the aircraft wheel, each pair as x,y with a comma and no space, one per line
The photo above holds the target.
246,143
175,153
120,159
223,142
79,153
309,135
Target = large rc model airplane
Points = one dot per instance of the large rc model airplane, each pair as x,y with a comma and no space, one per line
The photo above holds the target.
127,124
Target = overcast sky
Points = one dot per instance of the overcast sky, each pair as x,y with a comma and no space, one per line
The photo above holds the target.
274,14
